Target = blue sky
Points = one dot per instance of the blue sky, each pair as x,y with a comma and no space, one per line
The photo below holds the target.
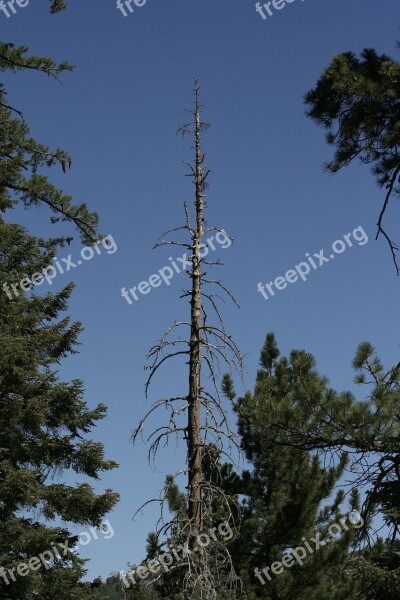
117,115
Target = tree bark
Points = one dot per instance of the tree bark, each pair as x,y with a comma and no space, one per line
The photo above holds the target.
194,441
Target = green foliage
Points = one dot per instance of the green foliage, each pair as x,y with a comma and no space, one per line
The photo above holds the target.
227,387
378,570
44,424
111,589
293,421
22,159
357,102
325,420
360,96
57,5
289,495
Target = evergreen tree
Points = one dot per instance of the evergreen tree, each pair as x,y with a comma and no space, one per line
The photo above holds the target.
378,570
44,421
111,589
328,424
357,102
23,160
288,496
44,427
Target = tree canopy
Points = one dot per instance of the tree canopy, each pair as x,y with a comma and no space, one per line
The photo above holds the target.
357,101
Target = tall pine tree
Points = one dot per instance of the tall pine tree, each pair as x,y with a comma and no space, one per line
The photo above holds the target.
326,423
44,427
288,495
44,421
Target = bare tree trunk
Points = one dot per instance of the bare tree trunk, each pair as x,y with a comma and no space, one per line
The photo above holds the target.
194,441
198,416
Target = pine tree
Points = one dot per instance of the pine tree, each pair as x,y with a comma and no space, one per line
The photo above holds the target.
378,570
327,423
111,589
44,422
44,427
288,495
357,102
23,160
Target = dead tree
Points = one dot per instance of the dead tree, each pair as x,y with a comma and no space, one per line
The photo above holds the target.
198,417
